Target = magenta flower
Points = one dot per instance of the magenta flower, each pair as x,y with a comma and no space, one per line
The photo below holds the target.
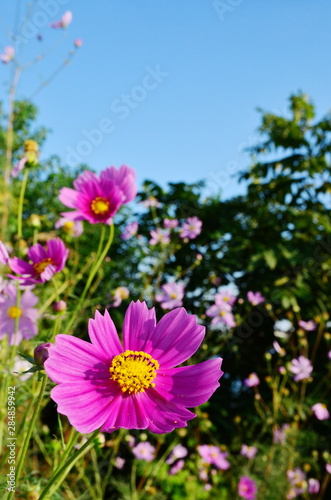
170,223
255,298
144,451
309,326
252,380
178,451
248,451
301,367
159,236
64,21
73,228
247,488
134,385
177,467
171,295
8,54
213,455
320,411
25,314
191,228
97,199
45,262
129,230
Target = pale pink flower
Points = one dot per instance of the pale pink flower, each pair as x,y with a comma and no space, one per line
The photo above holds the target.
177,467
119,463
226,298
320,411
255,298
78,42
73,228
328,468
64,21
151,202
313,486
280,435
4,256
129,230
309,326
178,451
297,479
248,451
171,295
161,236
191,228
221,314
280,350
121,293
214,456
252,380
8,54
144,451
301,367
170,223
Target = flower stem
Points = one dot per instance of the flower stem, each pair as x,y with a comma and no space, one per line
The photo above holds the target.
29,433
61,472
93,272
20,204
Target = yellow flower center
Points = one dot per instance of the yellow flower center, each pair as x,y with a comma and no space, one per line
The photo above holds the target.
173,295
134,371
222,313
100,205
68,226
123,293
39,267
30,145
14,312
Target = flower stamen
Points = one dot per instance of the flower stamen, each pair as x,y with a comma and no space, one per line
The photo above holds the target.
100,205
40,267
14,312
134,371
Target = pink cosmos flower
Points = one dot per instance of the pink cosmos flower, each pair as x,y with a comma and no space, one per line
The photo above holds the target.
280,435
8,54
248,451
134,385
247,488
252,380
64,21
73,228
129,230
159,236
301,367
144,451
280,350
213,455
177,467
221,314
171,295
170,223
320,411
309,326
78,42
45,262
121,293
119,462
328,468
255,298
97,199
24,313
225,298
178,451
297,479
19,166
151,202
313,486
191,228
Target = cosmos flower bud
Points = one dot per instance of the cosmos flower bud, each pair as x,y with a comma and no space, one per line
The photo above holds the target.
41,353
59,306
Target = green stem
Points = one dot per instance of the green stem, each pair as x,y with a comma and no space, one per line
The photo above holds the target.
20,204
29,433
61,473
111,461
93,272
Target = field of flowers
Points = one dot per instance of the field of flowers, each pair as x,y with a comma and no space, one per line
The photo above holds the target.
165,344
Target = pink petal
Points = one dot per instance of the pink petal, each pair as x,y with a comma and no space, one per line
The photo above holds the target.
68,197
72,359
126,411
37,253
138,326
103,334
19,266
189,385
176,337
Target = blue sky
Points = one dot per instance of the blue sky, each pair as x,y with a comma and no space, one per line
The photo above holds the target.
170,87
